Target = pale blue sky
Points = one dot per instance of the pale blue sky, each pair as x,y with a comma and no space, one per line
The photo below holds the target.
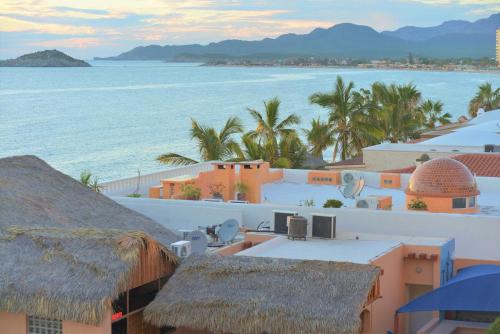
88,28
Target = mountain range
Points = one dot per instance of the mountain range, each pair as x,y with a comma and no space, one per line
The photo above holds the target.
451,39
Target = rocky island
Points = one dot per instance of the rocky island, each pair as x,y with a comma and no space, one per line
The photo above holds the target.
47,58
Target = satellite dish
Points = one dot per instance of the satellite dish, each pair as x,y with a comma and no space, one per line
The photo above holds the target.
228,230
363,204
199,242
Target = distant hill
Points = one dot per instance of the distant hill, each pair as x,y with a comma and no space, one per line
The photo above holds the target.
453,39
486,26
47,58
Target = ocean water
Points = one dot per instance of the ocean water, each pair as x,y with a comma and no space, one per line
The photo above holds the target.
114,118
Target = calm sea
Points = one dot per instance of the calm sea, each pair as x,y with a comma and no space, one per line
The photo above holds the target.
116,117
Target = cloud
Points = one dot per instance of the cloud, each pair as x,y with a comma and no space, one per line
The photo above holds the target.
9,24
72,43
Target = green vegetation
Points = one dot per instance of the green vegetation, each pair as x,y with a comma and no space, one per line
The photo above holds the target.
216,190
190,192
417,204
134,195
87,180
356,119
333,203
241,188
485,98
494,328
309,203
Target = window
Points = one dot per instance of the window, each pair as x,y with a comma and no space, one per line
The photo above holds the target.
472,201
119,327
459,203
387,181
37,325
142,295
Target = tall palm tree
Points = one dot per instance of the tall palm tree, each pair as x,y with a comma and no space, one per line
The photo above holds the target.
395,111
320,137
346,118
485,98
212,145
270,129
433,114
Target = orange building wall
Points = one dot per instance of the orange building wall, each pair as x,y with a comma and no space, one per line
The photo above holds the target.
462,263
390,180
392,290
255,176
17,323
440,204
323,177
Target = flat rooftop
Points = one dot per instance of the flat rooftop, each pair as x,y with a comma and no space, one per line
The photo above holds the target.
288,193
345,247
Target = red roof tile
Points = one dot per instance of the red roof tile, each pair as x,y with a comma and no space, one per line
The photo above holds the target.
480,164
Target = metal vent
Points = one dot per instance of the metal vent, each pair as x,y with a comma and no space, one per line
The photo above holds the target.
280,222
363,204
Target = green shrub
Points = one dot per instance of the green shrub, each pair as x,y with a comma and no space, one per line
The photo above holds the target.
189,191
134,195
333,203
417,204
494,328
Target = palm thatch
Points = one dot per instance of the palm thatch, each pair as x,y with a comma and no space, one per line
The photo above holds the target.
34,194
68,274
238,294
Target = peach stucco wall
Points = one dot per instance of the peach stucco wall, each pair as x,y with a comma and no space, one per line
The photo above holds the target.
390,180
12,323
16,323
440,204
462,263
223,174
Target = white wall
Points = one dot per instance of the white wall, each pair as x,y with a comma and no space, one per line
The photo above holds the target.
476,237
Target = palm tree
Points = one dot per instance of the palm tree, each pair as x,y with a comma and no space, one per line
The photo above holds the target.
87,180
270,129
433,114
320,137
395,111
212,145
485,98
346,118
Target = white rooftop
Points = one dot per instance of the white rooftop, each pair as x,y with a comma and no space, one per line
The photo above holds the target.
477,134
345,247
288,193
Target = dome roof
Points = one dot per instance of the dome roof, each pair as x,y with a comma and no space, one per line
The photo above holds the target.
442,177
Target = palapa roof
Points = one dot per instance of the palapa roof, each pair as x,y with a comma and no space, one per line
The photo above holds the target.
68,274
254,295
66,250
34,194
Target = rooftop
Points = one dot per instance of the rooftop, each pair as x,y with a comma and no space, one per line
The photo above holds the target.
345,247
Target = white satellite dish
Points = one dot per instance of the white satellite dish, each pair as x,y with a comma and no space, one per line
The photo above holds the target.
199,242
228,230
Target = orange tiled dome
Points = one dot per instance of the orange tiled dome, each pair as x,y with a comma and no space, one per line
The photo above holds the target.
442,177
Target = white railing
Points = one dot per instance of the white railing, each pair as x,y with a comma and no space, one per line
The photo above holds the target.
142,184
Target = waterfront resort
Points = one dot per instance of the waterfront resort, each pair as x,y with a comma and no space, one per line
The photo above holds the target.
403,239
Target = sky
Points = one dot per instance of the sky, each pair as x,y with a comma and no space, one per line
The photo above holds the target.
89,28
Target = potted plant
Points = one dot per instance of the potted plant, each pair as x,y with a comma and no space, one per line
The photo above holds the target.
216,190
333,203
417,204
191,192
241,190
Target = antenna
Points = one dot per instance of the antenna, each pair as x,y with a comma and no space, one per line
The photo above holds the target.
199,242
228,230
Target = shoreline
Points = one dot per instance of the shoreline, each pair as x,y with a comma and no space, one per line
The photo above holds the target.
393,68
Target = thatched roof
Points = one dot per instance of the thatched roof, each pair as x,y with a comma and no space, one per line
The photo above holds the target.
65,250
239,294
34,194
68,274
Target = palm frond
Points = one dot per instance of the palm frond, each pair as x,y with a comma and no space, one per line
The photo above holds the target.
175,159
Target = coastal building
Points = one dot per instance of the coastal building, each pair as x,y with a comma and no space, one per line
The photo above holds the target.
498,47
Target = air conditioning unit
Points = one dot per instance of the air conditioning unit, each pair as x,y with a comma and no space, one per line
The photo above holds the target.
323,226
367,203
349,176
297,227
181,248
491,148
281,220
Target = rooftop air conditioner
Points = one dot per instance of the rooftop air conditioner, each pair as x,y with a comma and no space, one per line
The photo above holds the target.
181,248
297,227
367,203
323,226
281,220
491,148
